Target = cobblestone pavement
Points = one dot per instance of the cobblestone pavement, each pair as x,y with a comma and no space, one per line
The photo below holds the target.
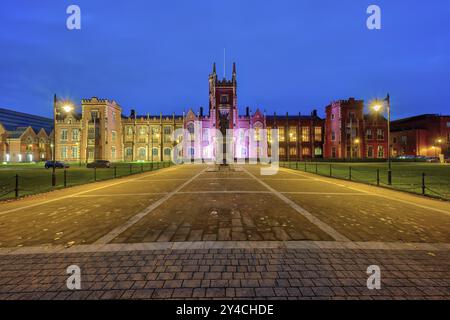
290,235
228,274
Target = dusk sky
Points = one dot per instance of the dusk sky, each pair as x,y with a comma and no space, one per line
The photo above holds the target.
292,56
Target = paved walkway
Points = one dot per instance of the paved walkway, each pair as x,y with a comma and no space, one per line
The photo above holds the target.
193,232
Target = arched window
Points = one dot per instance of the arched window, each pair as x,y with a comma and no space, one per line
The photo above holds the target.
167,152
155,152
129,152
142,152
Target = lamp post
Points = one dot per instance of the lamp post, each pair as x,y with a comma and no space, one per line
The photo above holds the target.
377,107
66,107
356,143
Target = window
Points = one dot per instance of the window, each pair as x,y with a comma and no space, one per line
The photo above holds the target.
113,136
64,152
142,152
305,134
167,152
380,134
318,134
257,134
380,152
64,134
306,151
293,151
113,153
318,151
370,152
333,152
75,135
333,136
394,140
224,99
369,134
281,134
142,130
293,134
155,152
167,134
128,152
404,139
94,115
167,130
191,130
332,116
282,151
129,131
75,152
206,134
244,152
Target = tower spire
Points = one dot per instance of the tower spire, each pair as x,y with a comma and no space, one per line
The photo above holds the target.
214,68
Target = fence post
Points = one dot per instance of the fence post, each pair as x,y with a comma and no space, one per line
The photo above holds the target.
296,165
306,169
331,172
115,172
350,173
16,189
423,183
317,169
95,173
378,177
151,166
131,168
142,167
65,178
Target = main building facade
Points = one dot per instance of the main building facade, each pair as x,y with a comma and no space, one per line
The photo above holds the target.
102,132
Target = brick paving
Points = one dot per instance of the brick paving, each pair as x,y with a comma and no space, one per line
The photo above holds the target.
179,210
228,274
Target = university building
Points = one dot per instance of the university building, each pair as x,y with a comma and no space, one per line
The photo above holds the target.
352,134
102,132
425,135
24,137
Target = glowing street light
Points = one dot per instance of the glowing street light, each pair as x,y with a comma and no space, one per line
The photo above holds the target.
378,106
66,107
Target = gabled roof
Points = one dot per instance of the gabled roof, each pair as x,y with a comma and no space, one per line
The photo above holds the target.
13,120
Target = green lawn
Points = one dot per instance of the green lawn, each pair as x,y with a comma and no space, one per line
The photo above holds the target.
34,178
405,176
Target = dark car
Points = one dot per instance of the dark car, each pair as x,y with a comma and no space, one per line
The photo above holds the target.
99,164
57,164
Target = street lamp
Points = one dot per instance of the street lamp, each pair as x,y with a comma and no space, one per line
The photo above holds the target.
66,107
378,106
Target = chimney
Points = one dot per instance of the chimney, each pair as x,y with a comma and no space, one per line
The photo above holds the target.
201,112
133,113
314,113
247,112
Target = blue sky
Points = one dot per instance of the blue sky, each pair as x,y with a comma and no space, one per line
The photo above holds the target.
292,55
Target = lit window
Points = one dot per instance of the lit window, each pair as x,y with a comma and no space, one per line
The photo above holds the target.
318,134
75,135
305,134
64,134
293,134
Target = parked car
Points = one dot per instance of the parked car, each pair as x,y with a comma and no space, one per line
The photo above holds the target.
57,164
99,164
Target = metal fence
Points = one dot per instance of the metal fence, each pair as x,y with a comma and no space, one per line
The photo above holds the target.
425,183
38,181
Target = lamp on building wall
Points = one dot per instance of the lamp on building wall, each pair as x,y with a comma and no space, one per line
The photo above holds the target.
66,107
378,106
